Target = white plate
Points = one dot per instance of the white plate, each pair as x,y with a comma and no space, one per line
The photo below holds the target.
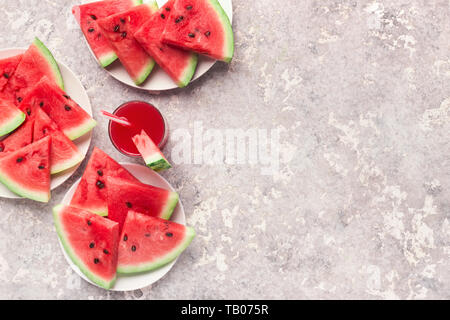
76,91
138,281
158,80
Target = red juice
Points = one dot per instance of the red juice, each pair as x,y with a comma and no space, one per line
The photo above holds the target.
142,116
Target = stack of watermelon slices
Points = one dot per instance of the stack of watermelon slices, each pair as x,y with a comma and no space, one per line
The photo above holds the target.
34,108
136,236
140,35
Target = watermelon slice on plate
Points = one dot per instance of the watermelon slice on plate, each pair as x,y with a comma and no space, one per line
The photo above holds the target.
201,26
18,139
119,30
7,68
26,171
64,153
87,16
153,157
10,117
90,241
71,119
124,195
179,64
36,63
92,191
147,243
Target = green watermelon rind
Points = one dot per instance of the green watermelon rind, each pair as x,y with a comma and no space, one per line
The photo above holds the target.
23,192
157,162
229,37
67,164
61,234
145,72
51,61
188,73
12,123
75,133
106,59
162,261
172,202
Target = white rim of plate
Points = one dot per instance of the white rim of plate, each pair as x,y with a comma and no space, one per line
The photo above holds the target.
141,280
79,94
158,80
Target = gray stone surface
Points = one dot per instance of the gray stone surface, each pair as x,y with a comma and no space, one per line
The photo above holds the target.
360,207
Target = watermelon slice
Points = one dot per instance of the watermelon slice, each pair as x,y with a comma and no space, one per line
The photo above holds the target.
10,117
20,138
144,198
90,241
92,191
119,30
87,16
64,153
201,26
147,243
153,157
179,64
71,119
36,63
7,68
26,171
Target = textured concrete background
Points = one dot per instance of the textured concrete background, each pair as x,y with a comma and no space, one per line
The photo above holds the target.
360,207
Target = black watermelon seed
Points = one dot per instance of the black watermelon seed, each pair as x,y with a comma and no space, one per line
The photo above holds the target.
105,251
66,96
167,9
169,234
100,173
125,238
179,19
89,222
93,17
91,30
41,167
133,248
161,49
147,235
28,111
163,16
116,28
188,7
100,184
96,260
41,104
6,75
207,33
122,20
129,205
191,35
68,108
124,34
19,160
2,148
91,245
19,99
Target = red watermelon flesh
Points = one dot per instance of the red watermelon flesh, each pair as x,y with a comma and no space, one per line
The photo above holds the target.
26,171
90,241
147,243
119,29
7,68
36,62
71,119
92,191
10,117
201,26
87,16
18,139
179,64
64,153
124,195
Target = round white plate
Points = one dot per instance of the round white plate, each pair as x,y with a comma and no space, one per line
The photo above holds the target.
76,91
138,281
158,80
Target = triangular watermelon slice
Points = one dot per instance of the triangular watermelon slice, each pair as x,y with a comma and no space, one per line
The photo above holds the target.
124,195
36,63
71,119
87,16
119,30
147,243
20,138
153,157
92,191
26,171
10,117
7,68
90,241
64,153
201,26
179,64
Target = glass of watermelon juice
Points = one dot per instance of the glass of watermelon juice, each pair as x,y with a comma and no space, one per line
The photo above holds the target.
142,116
